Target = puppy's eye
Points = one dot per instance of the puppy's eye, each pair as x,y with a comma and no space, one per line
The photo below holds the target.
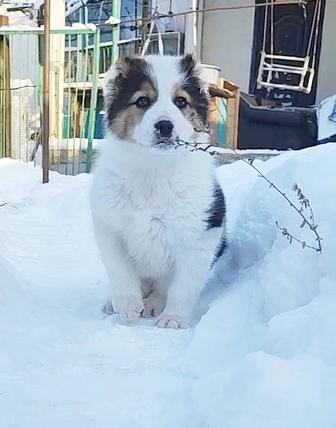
181,102
143,102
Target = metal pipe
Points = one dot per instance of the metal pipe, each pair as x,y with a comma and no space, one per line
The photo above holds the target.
46,94
194,6
144,21
200,47
115,31
93,101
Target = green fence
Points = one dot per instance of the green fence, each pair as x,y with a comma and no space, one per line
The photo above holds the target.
74,92
5,105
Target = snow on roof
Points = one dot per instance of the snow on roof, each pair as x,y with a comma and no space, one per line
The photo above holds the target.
33,29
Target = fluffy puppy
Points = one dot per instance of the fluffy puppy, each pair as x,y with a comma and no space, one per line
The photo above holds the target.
158,211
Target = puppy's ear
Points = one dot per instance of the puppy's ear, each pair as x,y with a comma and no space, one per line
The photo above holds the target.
188,64
114,75
191,69
123,65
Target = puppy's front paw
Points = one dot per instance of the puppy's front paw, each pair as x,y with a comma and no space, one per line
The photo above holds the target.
154,305
128,307
108,308
172,321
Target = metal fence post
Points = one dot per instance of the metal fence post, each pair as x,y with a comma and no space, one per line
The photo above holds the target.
5,97
46,100
93,101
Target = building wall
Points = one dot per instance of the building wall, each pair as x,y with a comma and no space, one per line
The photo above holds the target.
185,24
57,20
227,40
25,113
326,84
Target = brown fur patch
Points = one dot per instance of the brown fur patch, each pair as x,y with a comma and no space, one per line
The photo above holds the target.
127,119
198,108
191,111
133,80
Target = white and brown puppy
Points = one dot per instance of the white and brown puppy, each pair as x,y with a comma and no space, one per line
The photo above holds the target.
158,211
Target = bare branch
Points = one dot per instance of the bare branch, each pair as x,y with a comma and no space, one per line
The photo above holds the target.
304,202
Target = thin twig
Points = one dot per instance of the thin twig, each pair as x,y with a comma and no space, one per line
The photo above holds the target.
304,202
291,238
209,148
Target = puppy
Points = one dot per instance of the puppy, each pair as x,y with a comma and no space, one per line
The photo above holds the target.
158,211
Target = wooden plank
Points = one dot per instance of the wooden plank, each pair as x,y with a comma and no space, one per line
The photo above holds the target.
229,85
216,91
230,116
232,113
236,118
214,120
231,93
4,21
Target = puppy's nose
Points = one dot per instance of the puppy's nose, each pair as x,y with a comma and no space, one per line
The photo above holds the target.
165,128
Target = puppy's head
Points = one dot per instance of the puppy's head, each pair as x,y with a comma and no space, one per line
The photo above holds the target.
155,100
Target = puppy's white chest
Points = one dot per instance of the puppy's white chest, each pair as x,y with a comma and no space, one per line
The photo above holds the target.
150,242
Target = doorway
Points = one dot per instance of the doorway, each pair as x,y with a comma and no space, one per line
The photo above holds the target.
292,27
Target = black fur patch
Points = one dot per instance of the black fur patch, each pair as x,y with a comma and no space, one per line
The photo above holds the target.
134,72
187,64
216,212
193,86
221,248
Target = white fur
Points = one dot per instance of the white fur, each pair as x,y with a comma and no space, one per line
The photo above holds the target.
149,208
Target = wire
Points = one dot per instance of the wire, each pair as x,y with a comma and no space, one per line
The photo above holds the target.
215,9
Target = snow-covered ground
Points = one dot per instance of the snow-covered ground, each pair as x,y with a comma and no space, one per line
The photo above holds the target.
262,353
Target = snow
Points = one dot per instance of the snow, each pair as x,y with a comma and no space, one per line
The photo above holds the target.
74,144
326,118
262,352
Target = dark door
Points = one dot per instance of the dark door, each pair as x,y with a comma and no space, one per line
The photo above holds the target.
292,25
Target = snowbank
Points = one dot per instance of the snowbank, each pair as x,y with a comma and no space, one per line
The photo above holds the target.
262,355
265,353
9,284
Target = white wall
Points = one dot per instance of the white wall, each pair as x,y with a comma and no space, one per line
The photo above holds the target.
227,40
25,113
228,37
326,85
185,24
57,20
